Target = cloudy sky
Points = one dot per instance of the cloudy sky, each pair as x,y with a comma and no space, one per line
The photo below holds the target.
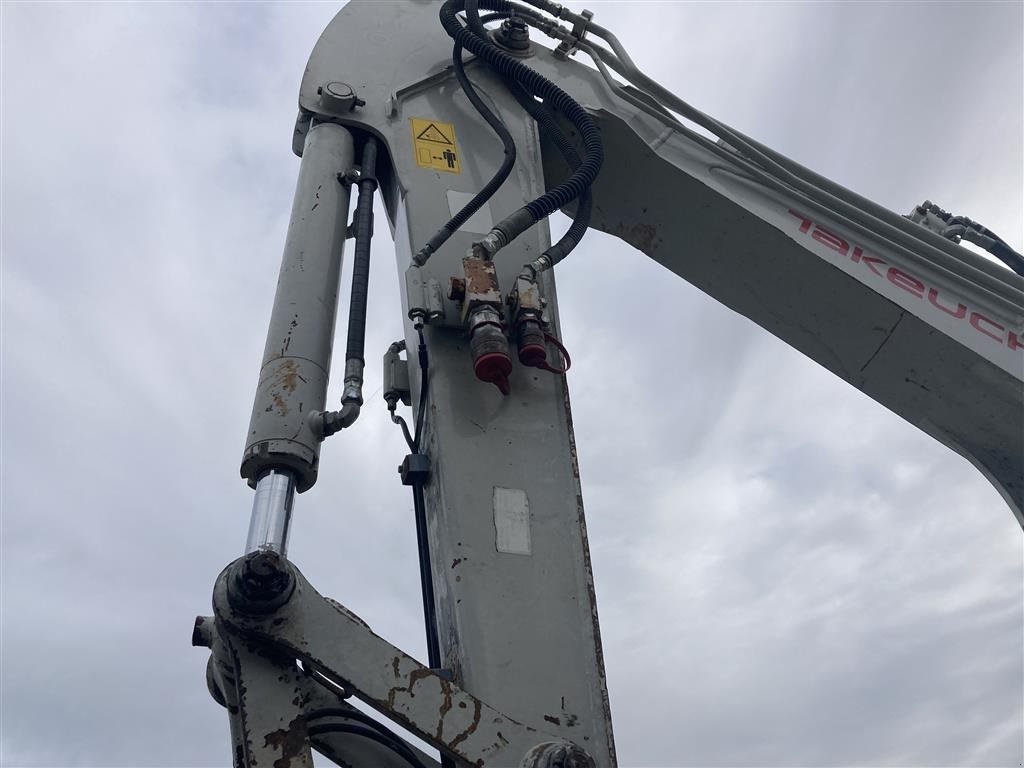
823,584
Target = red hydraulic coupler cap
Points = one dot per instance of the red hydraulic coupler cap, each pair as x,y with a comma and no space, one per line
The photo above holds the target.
533,355
494,368
530,340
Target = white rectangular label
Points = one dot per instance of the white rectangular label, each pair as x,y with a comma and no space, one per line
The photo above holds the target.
480,222
511,521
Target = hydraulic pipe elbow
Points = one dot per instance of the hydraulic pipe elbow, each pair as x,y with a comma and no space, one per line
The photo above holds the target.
327,423
349,413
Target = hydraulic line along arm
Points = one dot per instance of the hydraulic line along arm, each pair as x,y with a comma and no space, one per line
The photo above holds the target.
470,157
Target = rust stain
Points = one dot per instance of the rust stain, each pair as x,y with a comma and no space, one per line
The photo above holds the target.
446,707
457,289
288,375
501,743
415,676
480,276
470,729
280,404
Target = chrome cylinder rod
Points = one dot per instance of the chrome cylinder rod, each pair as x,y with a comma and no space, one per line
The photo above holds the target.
271,513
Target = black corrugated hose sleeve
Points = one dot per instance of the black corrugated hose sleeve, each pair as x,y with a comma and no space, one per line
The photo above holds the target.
361,261
473,21
488,190
1008,256
538,85
550,127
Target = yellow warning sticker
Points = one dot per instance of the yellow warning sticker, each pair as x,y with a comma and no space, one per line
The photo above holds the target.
433,143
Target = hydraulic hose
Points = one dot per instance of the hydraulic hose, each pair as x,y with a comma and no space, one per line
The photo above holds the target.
581,221
473,20
361,260
984,237
420,514
394,744
391,739
995,246
488,190
785,175
545,120
426,577
421,410
537,85
352,395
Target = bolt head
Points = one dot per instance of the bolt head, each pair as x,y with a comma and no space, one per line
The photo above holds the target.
513,35
339,90
262,582
338,96
263,565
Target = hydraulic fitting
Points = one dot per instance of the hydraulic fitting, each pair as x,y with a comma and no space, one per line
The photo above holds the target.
353,391
527,311
481,286
530,340
481,311
416,294
396,376
489,348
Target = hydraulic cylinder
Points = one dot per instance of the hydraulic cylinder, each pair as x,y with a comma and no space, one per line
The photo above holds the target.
283,436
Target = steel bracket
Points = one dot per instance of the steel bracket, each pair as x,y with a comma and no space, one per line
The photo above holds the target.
273,694
579,31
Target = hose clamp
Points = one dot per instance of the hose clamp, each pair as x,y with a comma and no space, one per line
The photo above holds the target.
579,31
